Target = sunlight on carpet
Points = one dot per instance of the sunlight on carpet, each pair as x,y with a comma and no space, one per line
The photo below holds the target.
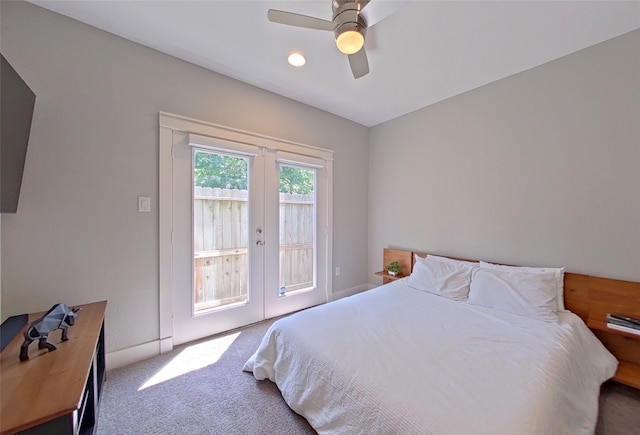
192,358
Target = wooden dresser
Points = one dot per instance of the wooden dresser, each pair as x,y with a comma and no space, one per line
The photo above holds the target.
55,392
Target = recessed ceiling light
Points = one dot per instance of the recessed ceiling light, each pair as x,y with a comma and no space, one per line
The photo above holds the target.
296,59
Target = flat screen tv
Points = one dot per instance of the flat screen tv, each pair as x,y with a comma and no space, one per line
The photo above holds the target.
16,112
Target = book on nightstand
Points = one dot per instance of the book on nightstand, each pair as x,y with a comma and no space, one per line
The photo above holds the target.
623,323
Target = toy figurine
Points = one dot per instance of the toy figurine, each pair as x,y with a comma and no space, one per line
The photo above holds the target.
58,317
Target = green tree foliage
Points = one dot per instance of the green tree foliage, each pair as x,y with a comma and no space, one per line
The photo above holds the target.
296,180
215,170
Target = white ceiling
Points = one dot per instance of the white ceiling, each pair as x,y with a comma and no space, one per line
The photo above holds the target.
423,53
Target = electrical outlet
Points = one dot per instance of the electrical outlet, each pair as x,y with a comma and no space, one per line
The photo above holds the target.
337,270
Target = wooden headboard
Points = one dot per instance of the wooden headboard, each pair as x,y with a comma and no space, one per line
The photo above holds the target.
591,298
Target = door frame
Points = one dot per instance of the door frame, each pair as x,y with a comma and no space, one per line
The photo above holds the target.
168,123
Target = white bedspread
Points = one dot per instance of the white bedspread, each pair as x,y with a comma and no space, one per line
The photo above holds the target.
399,360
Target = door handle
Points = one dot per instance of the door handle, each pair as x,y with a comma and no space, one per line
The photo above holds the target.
260,243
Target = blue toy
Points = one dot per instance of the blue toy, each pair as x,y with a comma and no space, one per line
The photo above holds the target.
58,317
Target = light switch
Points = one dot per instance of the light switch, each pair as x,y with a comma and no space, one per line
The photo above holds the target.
144,204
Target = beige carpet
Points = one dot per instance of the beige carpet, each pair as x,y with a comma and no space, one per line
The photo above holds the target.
619,410
201,389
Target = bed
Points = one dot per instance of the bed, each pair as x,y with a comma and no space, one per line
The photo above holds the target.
404,359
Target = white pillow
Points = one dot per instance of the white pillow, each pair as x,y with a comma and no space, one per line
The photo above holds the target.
523,293
559,274
444,279
449,260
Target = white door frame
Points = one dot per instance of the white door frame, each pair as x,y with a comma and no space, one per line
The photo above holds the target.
170,123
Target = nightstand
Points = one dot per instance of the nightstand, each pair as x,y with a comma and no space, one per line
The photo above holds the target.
386,278
622,299
405,258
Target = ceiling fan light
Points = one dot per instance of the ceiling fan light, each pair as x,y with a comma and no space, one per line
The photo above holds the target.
296,59
350,41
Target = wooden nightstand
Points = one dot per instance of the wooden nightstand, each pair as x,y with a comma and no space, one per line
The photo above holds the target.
623,298
405,258
386,278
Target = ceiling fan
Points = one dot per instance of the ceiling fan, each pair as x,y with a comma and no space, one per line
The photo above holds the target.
348,25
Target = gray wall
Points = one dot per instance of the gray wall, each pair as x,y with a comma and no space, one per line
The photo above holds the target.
77,236
541,168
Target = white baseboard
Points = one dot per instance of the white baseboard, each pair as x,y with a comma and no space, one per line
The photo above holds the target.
350,291
130,355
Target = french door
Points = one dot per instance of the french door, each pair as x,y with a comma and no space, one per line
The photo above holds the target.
249,233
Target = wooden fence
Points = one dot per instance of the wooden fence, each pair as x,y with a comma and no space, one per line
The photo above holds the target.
221,234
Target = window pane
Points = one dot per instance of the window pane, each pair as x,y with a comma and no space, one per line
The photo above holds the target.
297,228
220,229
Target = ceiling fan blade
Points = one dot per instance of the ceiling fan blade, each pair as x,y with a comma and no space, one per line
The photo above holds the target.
298,20
359,63
380,10
363,3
